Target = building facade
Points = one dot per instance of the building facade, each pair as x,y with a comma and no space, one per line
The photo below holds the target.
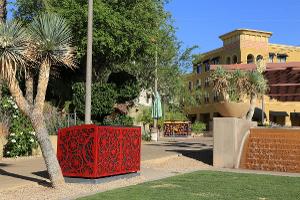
242,49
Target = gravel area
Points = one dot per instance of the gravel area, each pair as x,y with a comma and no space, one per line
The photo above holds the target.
179,164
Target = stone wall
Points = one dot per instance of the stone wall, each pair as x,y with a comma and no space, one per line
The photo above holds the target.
228,136
272,150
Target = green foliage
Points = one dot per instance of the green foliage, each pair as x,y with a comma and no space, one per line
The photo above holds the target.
175,115
22,138
119,120
128,91
104,98
126,34
146,136
145,117
198,127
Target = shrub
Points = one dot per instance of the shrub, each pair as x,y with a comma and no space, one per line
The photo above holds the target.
103,98
54,119
198,127
118,120
22,138
146,136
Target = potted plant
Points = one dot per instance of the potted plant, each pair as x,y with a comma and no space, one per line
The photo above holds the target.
236,88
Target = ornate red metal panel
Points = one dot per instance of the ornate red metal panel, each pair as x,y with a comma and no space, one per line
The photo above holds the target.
91,151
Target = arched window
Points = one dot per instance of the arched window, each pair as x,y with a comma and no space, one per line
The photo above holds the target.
234,59
250,59
259,57
228,60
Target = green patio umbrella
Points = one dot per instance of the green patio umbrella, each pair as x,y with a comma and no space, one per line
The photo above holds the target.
156,108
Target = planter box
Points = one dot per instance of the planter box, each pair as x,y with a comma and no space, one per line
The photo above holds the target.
90,151
232,109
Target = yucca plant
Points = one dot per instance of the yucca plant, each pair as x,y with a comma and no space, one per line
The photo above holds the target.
236,85
44,44
256,86
220,79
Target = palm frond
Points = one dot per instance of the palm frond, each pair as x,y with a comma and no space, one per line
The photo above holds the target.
53,38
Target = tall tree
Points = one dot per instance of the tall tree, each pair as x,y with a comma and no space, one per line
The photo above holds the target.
47,44
124,31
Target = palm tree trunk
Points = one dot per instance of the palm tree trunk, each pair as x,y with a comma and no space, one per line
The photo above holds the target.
53,168
252,107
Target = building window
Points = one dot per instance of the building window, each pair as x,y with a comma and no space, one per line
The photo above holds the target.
259,57
198,84
190,85
216,97
199,69
281,58
198,99
206,98
271,57
207,67
228,60
206,83
215,61
250,59
234,59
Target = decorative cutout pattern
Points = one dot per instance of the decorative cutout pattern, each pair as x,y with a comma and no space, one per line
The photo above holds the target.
177,128
91,151
272,150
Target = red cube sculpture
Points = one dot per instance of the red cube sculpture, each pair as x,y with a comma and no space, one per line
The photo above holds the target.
90,151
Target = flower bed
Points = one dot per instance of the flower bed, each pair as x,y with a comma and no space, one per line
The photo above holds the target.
90,151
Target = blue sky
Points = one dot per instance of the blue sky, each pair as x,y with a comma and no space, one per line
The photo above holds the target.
201,22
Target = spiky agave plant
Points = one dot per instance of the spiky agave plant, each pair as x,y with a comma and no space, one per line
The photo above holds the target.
15,49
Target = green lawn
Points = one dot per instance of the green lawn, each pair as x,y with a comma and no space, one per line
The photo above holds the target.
210,185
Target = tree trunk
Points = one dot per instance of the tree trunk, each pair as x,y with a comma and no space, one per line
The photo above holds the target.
37,120
2,20
3,12
29,87
53,168
252,107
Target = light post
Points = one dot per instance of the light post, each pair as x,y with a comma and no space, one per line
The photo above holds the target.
155,88
89,61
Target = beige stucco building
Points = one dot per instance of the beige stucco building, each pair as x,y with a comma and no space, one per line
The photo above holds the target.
241,49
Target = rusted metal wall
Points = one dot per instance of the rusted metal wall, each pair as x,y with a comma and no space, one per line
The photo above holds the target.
272,150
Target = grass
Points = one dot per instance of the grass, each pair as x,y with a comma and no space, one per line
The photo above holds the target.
209,185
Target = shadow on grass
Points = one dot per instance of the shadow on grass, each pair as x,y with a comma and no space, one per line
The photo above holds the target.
27,178
203,155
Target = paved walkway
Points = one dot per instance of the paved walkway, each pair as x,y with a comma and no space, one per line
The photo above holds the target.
24,171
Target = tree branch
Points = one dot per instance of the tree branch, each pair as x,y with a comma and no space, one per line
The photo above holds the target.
17,94
42,86
29,87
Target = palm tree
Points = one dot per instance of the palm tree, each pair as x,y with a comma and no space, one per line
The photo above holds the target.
47,44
